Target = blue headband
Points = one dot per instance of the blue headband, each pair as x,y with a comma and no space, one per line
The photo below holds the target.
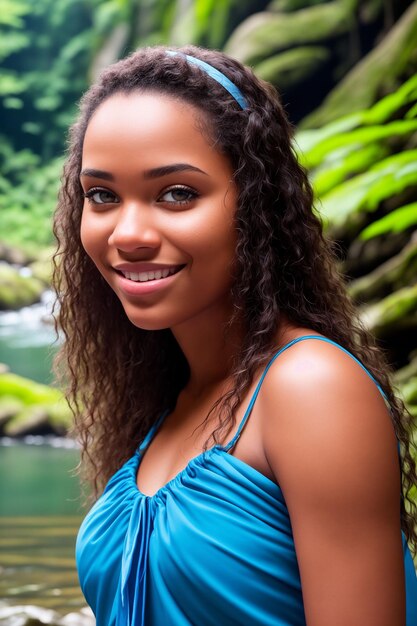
217,75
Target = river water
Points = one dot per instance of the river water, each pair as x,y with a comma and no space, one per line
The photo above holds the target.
40,509
28,340
40,513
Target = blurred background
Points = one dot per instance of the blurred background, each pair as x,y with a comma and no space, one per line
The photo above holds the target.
346,72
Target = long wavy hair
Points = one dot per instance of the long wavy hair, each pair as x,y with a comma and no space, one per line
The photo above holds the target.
119,378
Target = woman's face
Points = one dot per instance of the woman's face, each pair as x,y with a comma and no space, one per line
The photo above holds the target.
158,217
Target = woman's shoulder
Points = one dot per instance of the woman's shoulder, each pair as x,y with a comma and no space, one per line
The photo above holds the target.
331,447
319,407
314,368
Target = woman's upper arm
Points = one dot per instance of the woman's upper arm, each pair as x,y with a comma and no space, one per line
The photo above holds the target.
329,440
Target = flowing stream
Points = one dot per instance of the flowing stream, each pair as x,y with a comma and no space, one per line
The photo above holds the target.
28,340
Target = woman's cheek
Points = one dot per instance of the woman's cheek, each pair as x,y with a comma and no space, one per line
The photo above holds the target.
91,235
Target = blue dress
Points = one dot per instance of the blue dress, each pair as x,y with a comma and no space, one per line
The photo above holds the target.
212,546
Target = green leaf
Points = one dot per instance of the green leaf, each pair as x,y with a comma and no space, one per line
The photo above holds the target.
395,222
11,83
12,11
366,191
357,138
388,106
344,165
13,103
379,113
307,140
12,42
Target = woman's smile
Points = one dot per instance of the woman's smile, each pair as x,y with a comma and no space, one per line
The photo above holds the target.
158,216
141,282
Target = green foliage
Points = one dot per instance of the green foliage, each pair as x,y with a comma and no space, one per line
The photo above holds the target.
347,142
28,193
348,162
45,48
309,141
267,33
389,64
399,220
205,22
361,160
12,13
365,192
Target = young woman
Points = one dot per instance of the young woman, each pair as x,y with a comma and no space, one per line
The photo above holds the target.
238,414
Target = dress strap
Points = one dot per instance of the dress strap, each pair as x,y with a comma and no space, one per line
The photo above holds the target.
232,442
152,431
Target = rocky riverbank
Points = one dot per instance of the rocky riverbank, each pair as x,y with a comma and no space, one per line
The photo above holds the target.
23,276
36,616
29,408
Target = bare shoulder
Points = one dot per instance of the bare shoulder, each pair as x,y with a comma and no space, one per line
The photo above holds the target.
331,445
319,396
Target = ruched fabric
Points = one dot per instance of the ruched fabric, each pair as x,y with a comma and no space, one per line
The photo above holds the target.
212,546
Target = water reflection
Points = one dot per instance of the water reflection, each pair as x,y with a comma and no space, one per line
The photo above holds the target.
40,513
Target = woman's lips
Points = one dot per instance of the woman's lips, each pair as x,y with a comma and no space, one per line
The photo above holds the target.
137,288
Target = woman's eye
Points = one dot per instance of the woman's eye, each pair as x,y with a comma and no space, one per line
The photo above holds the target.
178,195
100,196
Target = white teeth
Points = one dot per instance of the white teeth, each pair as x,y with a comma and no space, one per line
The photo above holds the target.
145,276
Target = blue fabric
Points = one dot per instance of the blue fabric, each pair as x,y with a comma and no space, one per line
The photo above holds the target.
217,76
213,546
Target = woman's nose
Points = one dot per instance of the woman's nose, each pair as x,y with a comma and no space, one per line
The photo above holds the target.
135,228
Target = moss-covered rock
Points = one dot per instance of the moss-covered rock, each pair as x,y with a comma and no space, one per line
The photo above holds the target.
30,420
42,268
27,391
264,34
16,290
9,407
31,408
377,74
13,254
291,67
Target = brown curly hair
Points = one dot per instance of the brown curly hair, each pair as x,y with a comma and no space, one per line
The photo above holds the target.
284,264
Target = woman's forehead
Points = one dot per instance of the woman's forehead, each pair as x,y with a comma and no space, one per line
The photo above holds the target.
145,114
147,128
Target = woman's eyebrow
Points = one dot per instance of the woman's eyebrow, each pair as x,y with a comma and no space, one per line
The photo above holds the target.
156,172
96,174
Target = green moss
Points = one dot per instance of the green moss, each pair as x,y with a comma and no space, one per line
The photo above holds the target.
379,72
27,391
264,34
9,406
42,267
29,420
17,291
292,66
28,406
